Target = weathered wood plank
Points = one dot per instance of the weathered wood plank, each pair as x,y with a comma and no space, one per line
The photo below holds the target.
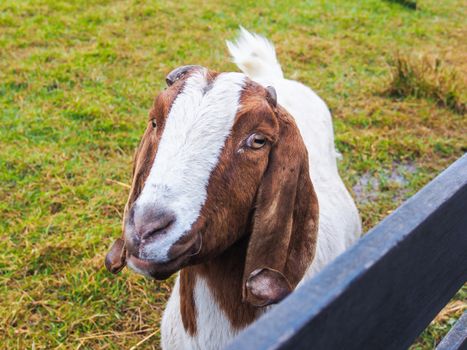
456,339
384,290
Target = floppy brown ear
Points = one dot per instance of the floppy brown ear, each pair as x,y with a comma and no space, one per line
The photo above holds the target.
285,223
115,260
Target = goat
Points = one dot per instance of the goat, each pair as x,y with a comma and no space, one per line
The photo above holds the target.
235,185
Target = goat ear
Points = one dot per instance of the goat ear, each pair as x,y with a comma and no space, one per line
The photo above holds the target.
267,286
115,259
285,223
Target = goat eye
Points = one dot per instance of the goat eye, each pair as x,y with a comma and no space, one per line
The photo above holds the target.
256,141
153,123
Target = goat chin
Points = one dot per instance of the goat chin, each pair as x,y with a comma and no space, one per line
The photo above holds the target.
339,221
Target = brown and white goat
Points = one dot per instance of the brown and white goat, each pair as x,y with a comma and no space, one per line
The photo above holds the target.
237,188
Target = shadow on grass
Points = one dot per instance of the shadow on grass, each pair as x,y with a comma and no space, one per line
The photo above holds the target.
410,4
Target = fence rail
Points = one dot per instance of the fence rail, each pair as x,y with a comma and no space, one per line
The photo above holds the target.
384,290
457,336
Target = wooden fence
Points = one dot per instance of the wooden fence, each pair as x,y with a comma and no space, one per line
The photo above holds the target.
385,290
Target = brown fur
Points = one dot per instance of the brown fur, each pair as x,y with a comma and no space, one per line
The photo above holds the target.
285,221
259,222
187,302
284,237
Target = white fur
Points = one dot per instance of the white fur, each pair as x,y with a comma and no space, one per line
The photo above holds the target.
195,132
173,334
339,223
255,55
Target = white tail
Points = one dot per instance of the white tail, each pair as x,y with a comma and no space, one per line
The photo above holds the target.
255,56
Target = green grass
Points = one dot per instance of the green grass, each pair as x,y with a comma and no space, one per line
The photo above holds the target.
76,82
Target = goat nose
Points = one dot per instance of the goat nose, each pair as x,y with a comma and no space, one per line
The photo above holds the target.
150,222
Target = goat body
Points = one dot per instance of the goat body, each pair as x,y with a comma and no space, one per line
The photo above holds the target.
339,222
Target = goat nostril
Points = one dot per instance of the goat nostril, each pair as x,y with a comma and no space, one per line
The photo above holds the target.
157,227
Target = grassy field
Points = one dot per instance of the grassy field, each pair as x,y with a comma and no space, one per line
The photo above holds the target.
76,82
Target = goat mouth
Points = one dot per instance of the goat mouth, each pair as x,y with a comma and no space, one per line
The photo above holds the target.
180,257
156,270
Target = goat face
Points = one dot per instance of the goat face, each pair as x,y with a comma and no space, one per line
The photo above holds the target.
219,160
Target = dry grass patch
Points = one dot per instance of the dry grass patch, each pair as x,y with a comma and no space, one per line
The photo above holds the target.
426,78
